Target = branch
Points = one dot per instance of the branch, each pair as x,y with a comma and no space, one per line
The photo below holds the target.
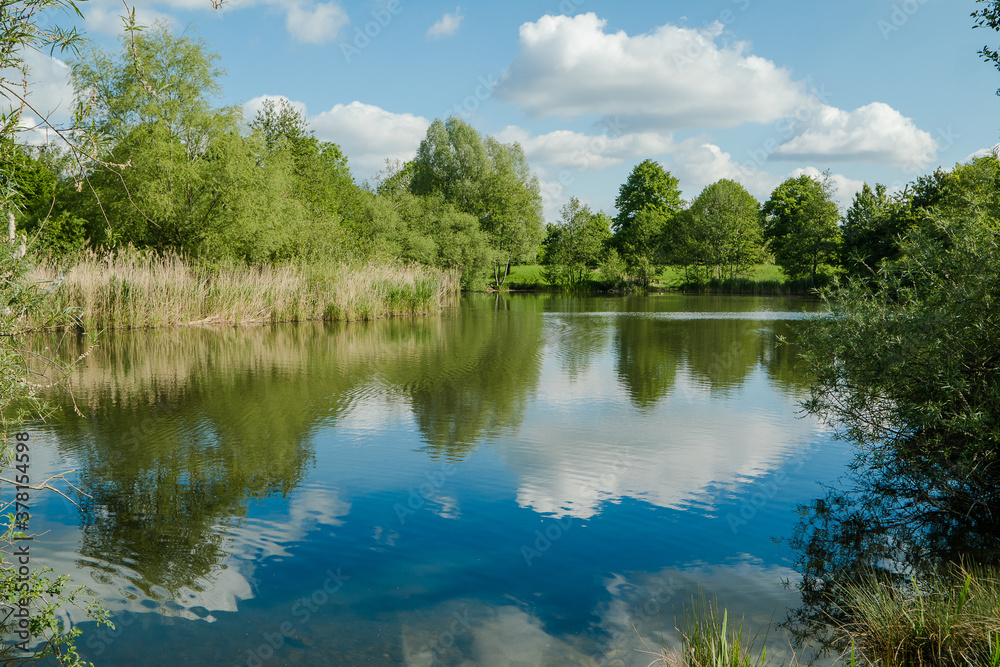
45,486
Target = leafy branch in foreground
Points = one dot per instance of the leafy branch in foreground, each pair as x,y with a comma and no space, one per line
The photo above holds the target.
909,362
30,598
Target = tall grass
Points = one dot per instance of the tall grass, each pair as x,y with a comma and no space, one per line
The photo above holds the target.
946,619
130,289
950,618
710,639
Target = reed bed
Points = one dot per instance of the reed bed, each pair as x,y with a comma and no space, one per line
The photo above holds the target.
130,289
756,286
949,618
710,638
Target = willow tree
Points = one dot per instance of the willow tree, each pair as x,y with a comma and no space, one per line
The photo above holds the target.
180,175
488,179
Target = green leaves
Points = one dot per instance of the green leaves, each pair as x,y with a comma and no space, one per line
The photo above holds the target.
646,203
800,226
723,229
988,17
647,187
908,362
576,245
485,178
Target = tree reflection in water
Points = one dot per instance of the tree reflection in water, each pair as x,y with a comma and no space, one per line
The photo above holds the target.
902,522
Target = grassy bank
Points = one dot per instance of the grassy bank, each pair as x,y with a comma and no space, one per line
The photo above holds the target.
763,279
949,619
136,290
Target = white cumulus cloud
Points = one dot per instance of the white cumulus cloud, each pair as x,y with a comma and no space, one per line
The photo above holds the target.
48,97
251,108
316,24
873,133
670,78
50,92
585,152
697,163
369,134
982,152
447,25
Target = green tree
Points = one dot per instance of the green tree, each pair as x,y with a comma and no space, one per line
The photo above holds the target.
876,222
395,179
646,203
322,178
512,215
42,215
281,124
684,245
180,151
871,229
800,226
613,269
576,245
192,182
727,224
648,187
428,230
908,364
488,179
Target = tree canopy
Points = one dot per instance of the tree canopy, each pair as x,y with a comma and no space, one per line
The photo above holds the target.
871,228
908,363
800,226
727,227
646,204
575,245
485,178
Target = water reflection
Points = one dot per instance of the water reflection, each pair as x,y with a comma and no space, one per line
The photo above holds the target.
907,518
229,469
471,382
648,351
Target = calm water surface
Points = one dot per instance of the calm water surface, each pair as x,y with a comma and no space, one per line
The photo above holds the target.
528,480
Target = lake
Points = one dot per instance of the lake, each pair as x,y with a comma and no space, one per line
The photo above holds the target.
525,480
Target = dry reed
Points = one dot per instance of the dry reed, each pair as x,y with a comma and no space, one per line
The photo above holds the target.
130,289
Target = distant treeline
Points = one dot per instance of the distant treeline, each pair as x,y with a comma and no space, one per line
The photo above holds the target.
176,174
725,231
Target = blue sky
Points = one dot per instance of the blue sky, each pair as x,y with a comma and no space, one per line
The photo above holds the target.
874,90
